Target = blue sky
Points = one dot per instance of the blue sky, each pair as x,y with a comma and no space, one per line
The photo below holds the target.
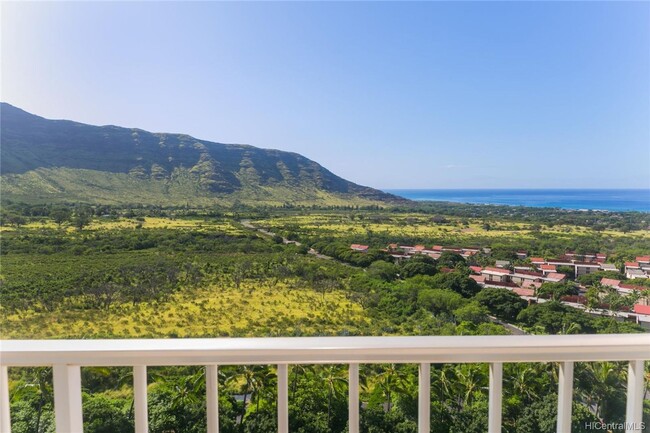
392,95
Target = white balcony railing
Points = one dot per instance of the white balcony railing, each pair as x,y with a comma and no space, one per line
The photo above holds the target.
67,356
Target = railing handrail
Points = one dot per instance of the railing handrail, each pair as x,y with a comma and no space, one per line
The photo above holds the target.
322,350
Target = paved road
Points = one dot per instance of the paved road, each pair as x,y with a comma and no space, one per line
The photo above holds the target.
249,225
512,328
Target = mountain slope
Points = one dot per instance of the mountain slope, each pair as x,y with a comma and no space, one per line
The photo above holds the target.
60,160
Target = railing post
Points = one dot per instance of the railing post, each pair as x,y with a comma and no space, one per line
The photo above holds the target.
353,398
140,399
564,397
283,399
212,397
5,414
495,397
424,398
67,398
634,412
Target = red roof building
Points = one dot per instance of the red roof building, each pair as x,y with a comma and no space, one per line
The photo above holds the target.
478,278
524,292
632,287
610,282
641,309
499,271
531,284
555,276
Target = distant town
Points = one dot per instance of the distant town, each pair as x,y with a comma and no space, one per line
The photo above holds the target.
527,274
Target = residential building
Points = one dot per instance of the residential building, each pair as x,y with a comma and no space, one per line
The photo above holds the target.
496,274
608,267
635,273
584,268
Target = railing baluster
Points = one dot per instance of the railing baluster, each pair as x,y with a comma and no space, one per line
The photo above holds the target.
140,399
212,397
424,398
634,412
5,415
353,398
67,398
283,399
564,397
495,397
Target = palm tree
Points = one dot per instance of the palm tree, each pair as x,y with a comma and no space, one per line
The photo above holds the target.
470,378
443,382
188,390
336,380
296,371
391,380
255,378
41,382
601,383
523,381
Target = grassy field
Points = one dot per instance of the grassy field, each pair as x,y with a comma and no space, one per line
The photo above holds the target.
224,225
251,310
62,262
421,226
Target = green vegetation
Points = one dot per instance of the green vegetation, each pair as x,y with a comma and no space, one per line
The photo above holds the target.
45,161
550,238
71,271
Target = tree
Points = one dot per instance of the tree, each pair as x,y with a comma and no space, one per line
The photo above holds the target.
36,388
503,303
439,300
104,293
602,388
555,291
383,270
415,267
595,277
472,312
569,271
450,260
14,219
390,380
541,417
104,415
82,218
335,380
457,282
554,317
60,215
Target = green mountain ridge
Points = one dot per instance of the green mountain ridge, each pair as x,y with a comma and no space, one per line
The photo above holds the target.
44,160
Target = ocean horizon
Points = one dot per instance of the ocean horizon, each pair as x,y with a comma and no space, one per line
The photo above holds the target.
573,199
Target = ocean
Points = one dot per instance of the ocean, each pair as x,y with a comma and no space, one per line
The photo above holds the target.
593,199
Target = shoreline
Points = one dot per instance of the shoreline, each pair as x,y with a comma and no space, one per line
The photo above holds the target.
627,200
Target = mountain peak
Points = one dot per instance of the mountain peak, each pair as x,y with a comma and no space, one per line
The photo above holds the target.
61,160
